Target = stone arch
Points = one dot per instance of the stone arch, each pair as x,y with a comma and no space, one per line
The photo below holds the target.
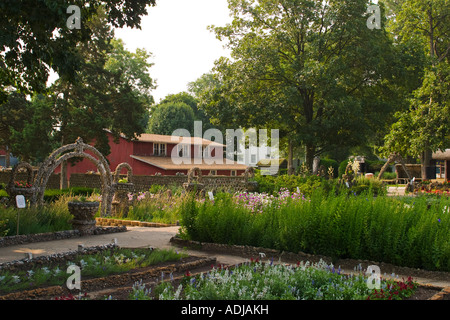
119,192
123,165
77,150
394,157
194,174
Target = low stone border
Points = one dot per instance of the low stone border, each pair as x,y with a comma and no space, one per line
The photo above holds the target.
49,236
131,223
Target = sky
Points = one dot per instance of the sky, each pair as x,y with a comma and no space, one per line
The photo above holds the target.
183,49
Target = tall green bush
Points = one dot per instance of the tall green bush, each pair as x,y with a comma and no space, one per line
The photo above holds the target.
341,226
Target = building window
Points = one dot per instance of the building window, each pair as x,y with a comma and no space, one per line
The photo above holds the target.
440,169
253,158
213,172
233,173
159,149
183,150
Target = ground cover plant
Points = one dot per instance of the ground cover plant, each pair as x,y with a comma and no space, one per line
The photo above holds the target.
268,281
115,261
340,226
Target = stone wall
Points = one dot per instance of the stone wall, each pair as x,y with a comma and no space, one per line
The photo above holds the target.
5,176
144,183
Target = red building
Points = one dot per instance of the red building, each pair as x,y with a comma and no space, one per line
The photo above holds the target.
154,154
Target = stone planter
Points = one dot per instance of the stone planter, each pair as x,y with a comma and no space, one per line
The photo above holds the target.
252,186
15,191
191,187
121,203
124,187
83,213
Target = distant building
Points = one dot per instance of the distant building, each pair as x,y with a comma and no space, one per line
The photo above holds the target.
441,160
3,161
151,154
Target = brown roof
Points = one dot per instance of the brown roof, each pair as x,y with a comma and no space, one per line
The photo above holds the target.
166,163
441,155
159,138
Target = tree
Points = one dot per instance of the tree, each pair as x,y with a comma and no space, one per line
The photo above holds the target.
33,141
192,101
424,126
169,116
35,38
312,69
112,91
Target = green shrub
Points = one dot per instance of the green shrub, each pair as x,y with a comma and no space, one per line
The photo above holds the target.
51,217
327,163
341,226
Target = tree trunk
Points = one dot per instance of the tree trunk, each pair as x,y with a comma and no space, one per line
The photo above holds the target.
290,158
425,161
310,151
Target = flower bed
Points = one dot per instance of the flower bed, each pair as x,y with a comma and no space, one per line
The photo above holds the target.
268,281
93,263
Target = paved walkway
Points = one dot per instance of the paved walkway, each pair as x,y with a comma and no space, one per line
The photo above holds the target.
134,237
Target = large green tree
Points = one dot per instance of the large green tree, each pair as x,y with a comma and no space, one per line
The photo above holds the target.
169,116
312,69
35,38
424,126
112,91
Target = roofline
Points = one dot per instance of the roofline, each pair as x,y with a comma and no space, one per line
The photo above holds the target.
145,161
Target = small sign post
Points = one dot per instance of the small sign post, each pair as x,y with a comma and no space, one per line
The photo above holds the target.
20,202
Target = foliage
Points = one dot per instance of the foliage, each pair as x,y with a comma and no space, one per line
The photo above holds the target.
51,195
341,226
49,218
36,38
155,205
170,116
309,184
311,68
422,127
117,97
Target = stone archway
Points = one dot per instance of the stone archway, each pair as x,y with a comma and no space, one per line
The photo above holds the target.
76,150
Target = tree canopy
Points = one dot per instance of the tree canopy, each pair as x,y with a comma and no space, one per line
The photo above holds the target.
312,69
424,125
35,38
111,91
